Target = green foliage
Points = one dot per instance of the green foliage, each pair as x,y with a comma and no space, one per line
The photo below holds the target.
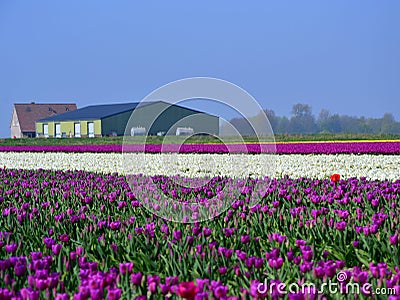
196,139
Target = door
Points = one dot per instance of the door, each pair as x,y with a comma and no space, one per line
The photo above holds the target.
46,130
77,129
91,129
58,130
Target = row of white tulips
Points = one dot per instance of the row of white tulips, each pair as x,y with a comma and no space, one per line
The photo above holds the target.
198,165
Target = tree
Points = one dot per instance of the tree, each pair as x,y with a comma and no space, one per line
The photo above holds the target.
334,125
329,123
323,120
283,125
302,120
389,125
272,118
301,110
242,126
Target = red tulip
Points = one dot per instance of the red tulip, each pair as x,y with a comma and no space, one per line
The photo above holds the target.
335,178
187,290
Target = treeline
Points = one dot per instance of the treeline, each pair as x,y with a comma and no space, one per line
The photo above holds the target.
302,121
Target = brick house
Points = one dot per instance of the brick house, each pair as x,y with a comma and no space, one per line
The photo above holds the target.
24,116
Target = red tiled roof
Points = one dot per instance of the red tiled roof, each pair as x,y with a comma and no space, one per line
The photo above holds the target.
28,114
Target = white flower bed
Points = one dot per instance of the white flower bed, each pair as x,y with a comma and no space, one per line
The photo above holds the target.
196,165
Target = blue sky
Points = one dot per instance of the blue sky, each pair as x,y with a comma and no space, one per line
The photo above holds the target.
339,55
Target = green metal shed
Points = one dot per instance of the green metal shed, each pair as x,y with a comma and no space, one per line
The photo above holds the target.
156,117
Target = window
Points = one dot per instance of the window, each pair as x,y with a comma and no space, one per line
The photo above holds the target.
77,127
46,130
57,130
90,129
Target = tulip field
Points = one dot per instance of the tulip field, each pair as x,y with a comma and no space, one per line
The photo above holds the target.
344,147
71,226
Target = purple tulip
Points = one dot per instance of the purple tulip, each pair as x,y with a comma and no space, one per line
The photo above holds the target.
84,291
373,229
73,255
48,242
228,253
178,235
290,255
4,264
245,239
64,238
173,280
114,247
341,225
115,225
165,288
11,248
41,284
152,287
79,251
365,230
207,231
330,269
258,262
220,291
20,270
114,294
249,262
394,239
375,202
125,268
190,240
361,277
93,266
227,232
300,243
275,263
319,272
96,294
29,293
56,249
306,267
62,297
222,270
136,278
307,253
212,245
165,229
241,255
14,260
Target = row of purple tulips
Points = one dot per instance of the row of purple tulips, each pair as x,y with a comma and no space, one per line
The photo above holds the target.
289,148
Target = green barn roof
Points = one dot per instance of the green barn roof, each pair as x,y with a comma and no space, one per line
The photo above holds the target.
93,112
96,112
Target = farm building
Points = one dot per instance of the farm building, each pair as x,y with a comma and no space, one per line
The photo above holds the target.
24,116
149,118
